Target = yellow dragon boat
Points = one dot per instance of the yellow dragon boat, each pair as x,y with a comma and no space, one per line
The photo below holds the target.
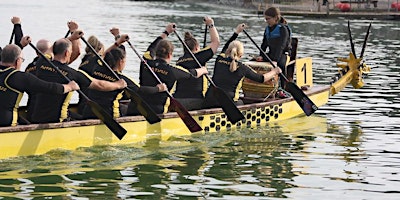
36,139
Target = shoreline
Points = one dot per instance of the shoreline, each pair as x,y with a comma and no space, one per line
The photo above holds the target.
309,8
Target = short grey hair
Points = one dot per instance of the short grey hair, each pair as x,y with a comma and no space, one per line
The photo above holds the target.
10,53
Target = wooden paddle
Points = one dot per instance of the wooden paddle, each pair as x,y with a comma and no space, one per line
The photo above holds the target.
192,125
228,106
66,35
302,99
205,36
114,126
141,105
12,36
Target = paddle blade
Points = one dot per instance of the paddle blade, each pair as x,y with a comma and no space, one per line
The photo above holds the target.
192,125
114,126
302,99
228,106
143,107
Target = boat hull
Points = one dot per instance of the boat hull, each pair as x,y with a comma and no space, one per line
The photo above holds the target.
38,139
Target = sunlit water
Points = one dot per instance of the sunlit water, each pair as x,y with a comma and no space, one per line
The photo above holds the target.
348,149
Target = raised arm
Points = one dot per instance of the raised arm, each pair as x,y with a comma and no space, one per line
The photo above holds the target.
214,37
118,42
239,28
17,31
74,38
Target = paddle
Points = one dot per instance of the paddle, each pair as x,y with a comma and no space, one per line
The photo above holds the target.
351,40
228,106
141,105
114,126
66,35
192,125
365,41
12,36
302,99
205,36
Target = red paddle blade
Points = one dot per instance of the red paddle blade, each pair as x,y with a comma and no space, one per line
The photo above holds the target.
192,125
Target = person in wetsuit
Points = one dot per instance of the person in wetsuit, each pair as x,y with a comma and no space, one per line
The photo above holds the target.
276,39
190,92
116,58
54,108
13,83
162,49
229,72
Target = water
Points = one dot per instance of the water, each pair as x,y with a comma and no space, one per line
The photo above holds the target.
347,149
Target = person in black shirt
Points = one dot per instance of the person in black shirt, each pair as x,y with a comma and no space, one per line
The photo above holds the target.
190,92
116,58
162,50
229,72
14,82
54,108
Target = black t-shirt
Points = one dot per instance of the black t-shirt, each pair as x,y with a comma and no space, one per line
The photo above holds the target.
12,85
193,87
54,108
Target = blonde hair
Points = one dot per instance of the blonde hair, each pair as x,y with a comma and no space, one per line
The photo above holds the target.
235,51
96,44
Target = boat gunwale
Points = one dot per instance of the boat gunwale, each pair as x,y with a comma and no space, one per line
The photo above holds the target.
91,122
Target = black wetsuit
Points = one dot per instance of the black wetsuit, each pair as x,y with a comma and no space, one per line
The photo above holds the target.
54,108
190,92
110,100
31,68
230,82
12,85
168,74
88,65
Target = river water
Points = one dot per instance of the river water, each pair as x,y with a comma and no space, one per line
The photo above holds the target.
348,149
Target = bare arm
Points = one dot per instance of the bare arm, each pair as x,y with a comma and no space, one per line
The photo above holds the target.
123,38
271,74
103,85
71,86
74,38
214,44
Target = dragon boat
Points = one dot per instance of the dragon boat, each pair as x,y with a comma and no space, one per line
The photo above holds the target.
37,139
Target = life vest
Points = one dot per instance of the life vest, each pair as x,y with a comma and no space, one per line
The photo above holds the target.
276,33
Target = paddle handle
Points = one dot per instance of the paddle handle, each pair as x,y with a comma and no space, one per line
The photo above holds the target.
265,55
100,58
12,36
205,36
67,34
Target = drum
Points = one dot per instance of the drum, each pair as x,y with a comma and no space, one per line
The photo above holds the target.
260,90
